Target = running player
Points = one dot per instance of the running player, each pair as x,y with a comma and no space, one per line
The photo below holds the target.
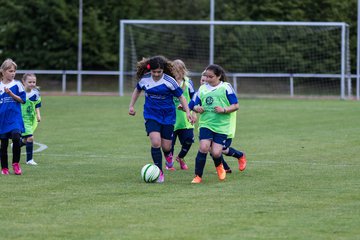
155,76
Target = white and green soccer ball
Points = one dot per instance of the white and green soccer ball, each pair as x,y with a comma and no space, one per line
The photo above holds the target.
150,173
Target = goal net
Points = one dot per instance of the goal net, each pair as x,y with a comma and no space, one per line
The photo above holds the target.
260,58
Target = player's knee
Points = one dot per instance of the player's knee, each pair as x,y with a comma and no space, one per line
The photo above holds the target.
15,137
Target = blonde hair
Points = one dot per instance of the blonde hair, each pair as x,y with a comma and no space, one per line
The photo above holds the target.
7,64
27,75
180,68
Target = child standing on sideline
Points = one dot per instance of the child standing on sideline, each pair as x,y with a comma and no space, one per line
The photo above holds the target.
155,76
12,94
183,129
31,115
215,100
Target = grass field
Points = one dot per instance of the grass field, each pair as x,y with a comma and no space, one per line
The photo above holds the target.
302,180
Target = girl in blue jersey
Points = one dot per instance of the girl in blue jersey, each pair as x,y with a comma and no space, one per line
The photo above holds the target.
12,94
155,76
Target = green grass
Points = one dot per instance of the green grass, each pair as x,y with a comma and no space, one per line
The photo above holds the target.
302,179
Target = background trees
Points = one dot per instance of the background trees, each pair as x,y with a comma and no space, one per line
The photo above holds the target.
42,34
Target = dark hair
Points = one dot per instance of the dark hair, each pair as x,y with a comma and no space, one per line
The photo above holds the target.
218,71
147,64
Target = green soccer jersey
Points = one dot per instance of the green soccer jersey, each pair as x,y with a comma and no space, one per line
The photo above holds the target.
33,100
181,119
210,98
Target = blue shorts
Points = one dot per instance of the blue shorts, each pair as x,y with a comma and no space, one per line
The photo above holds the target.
227,143
166,131
205,133
186,136
9,135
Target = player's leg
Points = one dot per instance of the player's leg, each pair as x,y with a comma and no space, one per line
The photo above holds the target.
167,133
239,155
205,139
186,138
216,150
4,154
29,150
16,150
153,131
226,146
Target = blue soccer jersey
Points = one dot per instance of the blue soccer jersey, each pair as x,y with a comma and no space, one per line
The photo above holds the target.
10,110
159,104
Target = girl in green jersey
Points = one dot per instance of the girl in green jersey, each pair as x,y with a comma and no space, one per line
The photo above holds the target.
215,100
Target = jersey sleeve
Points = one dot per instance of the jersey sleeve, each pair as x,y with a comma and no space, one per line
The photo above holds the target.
191,89
231,94
195,101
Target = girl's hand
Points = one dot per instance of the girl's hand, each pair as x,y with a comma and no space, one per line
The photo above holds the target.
7,90
199,109
180,107
132,112
194,117
219,109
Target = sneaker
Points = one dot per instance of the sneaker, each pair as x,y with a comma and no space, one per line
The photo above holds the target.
169,162
221,172
196,179
183,165
31,162
5,171
161,178
242,162
228,170
16,168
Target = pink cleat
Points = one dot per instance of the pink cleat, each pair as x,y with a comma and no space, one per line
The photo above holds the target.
16,168
5,171
169,162
161,178
183,165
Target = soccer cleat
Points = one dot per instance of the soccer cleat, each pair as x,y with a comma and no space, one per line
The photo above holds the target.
183,165
196,179
31,162
5,171
16,168
161,178
169,162
221,172
242,162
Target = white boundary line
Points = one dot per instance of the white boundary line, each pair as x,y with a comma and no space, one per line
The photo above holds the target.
41,148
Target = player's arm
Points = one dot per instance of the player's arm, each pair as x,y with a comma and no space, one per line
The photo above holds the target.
14,96
186,108
232,98
135,95
38,115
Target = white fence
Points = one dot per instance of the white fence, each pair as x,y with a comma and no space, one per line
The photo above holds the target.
346,88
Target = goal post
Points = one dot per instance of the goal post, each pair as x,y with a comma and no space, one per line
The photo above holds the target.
308,51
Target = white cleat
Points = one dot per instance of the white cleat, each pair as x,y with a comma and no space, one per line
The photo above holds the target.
31,162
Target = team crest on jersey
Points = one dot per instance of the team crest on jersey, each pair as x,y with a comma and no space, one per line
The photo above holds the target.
209,100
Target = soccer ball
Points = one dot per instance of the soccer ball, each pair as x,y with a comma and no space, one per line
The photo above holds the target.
150,173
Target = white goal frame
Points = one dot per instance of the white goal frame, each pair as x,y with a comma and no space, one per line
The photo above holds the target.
342,25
